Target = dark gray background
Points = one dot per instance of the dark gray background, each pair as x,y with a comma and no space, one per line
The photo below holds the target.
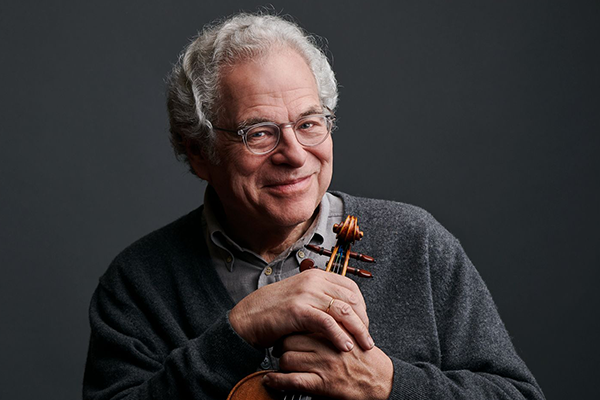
484,113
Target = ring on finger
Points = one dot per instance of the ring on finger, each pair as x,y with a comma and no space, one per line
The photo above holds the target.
329,306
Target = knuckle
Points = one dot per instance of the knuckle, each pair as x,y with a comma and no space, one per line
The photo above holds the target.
306,384
299,288
298,381
328,322
353,298
332,330
307,318
344,308
311,275
285,362
362,329
297,316
274,380
354,286
297,310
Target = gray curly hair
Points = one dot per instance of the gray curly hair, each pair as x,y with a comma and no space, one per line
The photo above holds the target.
193,98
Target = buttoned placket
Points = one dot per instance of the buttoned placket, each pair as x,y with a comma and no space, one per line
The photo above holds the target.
286,265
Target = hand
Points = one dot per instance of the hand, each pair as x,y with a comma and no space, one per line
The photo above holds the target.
300,304
315,367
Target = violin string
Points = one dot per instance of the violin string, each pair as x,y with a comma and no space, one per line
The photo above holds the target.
339,256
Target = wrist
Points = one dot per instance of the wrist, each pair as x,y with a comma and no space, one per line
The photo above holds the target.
237,324
385,376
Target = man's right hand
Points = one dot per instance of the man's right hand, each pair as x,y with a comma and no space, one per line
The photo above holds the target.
302,303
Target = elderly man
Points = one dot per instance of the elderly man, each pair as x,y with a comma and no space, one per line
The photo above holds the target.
192,308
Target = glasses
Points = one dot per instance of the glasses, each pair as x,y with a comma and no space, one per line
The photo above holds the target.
263,138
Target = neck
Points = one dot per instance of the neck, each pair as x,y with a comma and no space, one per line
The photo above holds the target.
268,242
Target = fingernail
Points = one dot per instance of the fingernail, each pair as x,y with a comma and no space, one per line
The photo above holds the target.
349,346
266,379
371,342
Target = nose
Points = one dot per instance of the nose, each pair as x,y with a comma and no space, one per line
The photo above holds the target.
289,151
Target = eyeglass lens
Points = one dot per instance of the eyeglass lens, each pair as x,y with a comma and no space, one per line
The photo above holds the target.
310,131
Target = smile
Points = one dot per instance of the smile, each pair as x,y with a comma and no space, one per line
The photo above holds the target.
290,186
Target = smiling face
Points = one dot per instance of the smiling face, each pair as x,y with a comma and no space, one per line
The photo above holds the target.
282,189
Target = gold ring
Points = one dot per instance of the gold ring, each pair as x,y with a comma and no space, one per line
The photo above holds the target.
329,306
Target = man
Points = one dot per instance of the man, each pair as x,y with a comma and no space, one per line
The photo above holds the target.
189,310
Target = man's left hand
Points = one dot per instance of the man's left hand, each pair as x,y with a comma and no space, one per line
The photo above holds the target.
311,364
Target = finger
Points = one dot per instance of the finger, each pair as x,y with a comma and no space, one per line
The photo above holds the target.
355,301
344,314
346,289
295,381
325,286
336,280
298,361
317,321
312,342
346,283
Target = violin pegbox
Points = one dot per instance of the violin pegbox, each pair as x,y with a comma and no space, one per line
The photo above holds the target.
347,233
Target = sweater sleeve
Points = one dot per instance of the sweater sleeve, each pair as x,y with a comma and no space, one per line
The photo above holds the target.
476,357
134,354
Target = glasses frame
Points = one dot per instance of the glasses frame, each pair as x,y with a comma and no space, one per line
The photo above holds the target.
243,132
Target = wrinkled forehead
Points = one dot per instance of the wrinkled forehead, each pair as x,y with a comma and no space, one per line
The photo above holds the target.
276,86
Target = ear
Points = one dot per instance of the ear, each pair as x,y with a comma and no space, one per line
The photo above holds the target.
198,161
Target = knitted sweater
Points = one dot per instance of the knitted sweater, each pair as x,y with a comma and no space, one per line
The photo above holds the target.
160,328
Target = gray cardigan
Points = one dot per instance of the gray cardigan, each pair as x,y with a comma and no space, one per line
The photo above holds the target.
160,329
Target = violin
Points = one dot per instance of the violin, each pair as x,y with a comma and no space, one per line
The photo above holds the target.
251,387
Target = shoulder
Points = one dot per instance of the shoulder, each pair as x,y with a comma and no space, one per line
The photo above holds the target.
153,253
395,230
394,217
408,241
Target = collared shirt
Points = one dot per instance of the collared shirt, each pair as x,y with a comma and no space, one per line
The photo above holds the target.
242,270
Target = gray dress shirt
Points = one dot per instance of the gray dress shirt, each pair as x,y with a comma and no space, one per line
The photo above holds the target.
243,271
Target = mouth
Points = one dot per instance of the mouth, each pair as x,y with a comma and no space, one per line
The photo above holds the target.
290,185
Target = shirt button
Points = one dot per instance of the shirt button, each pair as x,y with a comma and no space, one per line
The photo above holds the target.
268,271
301,254
229,259
265,364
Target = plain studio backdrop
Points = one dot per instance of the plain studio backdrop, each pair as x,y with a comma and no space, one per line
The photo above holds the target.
485,113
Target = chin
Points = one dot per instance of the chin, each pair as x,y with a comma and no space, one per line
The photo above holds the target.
293,214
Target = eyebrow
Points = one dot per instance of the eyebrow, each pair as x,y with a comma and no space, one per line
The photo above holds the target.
258,120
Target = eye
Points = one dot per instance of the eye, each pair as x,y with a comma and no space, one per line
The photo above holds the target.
313,123
306,125
257,135
261,133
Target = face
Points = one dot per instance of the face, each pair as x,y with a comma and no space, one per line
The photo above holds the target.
282,188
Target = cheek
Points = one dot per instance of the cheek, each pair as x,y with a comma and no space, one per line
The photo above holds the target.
249,170
325,157
325,154
238,164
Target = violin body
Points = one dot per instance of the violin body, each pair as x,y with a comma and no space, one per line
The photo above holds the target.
251,387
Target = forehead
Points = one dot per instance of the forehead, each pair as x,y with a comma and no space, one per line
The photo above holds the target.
278,86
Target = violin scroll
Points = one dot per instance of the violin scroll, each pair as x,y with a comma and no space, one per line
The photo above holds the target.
347,233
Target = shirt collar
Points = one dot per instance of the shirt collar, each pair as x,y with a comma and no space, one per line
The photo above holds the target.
213,215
